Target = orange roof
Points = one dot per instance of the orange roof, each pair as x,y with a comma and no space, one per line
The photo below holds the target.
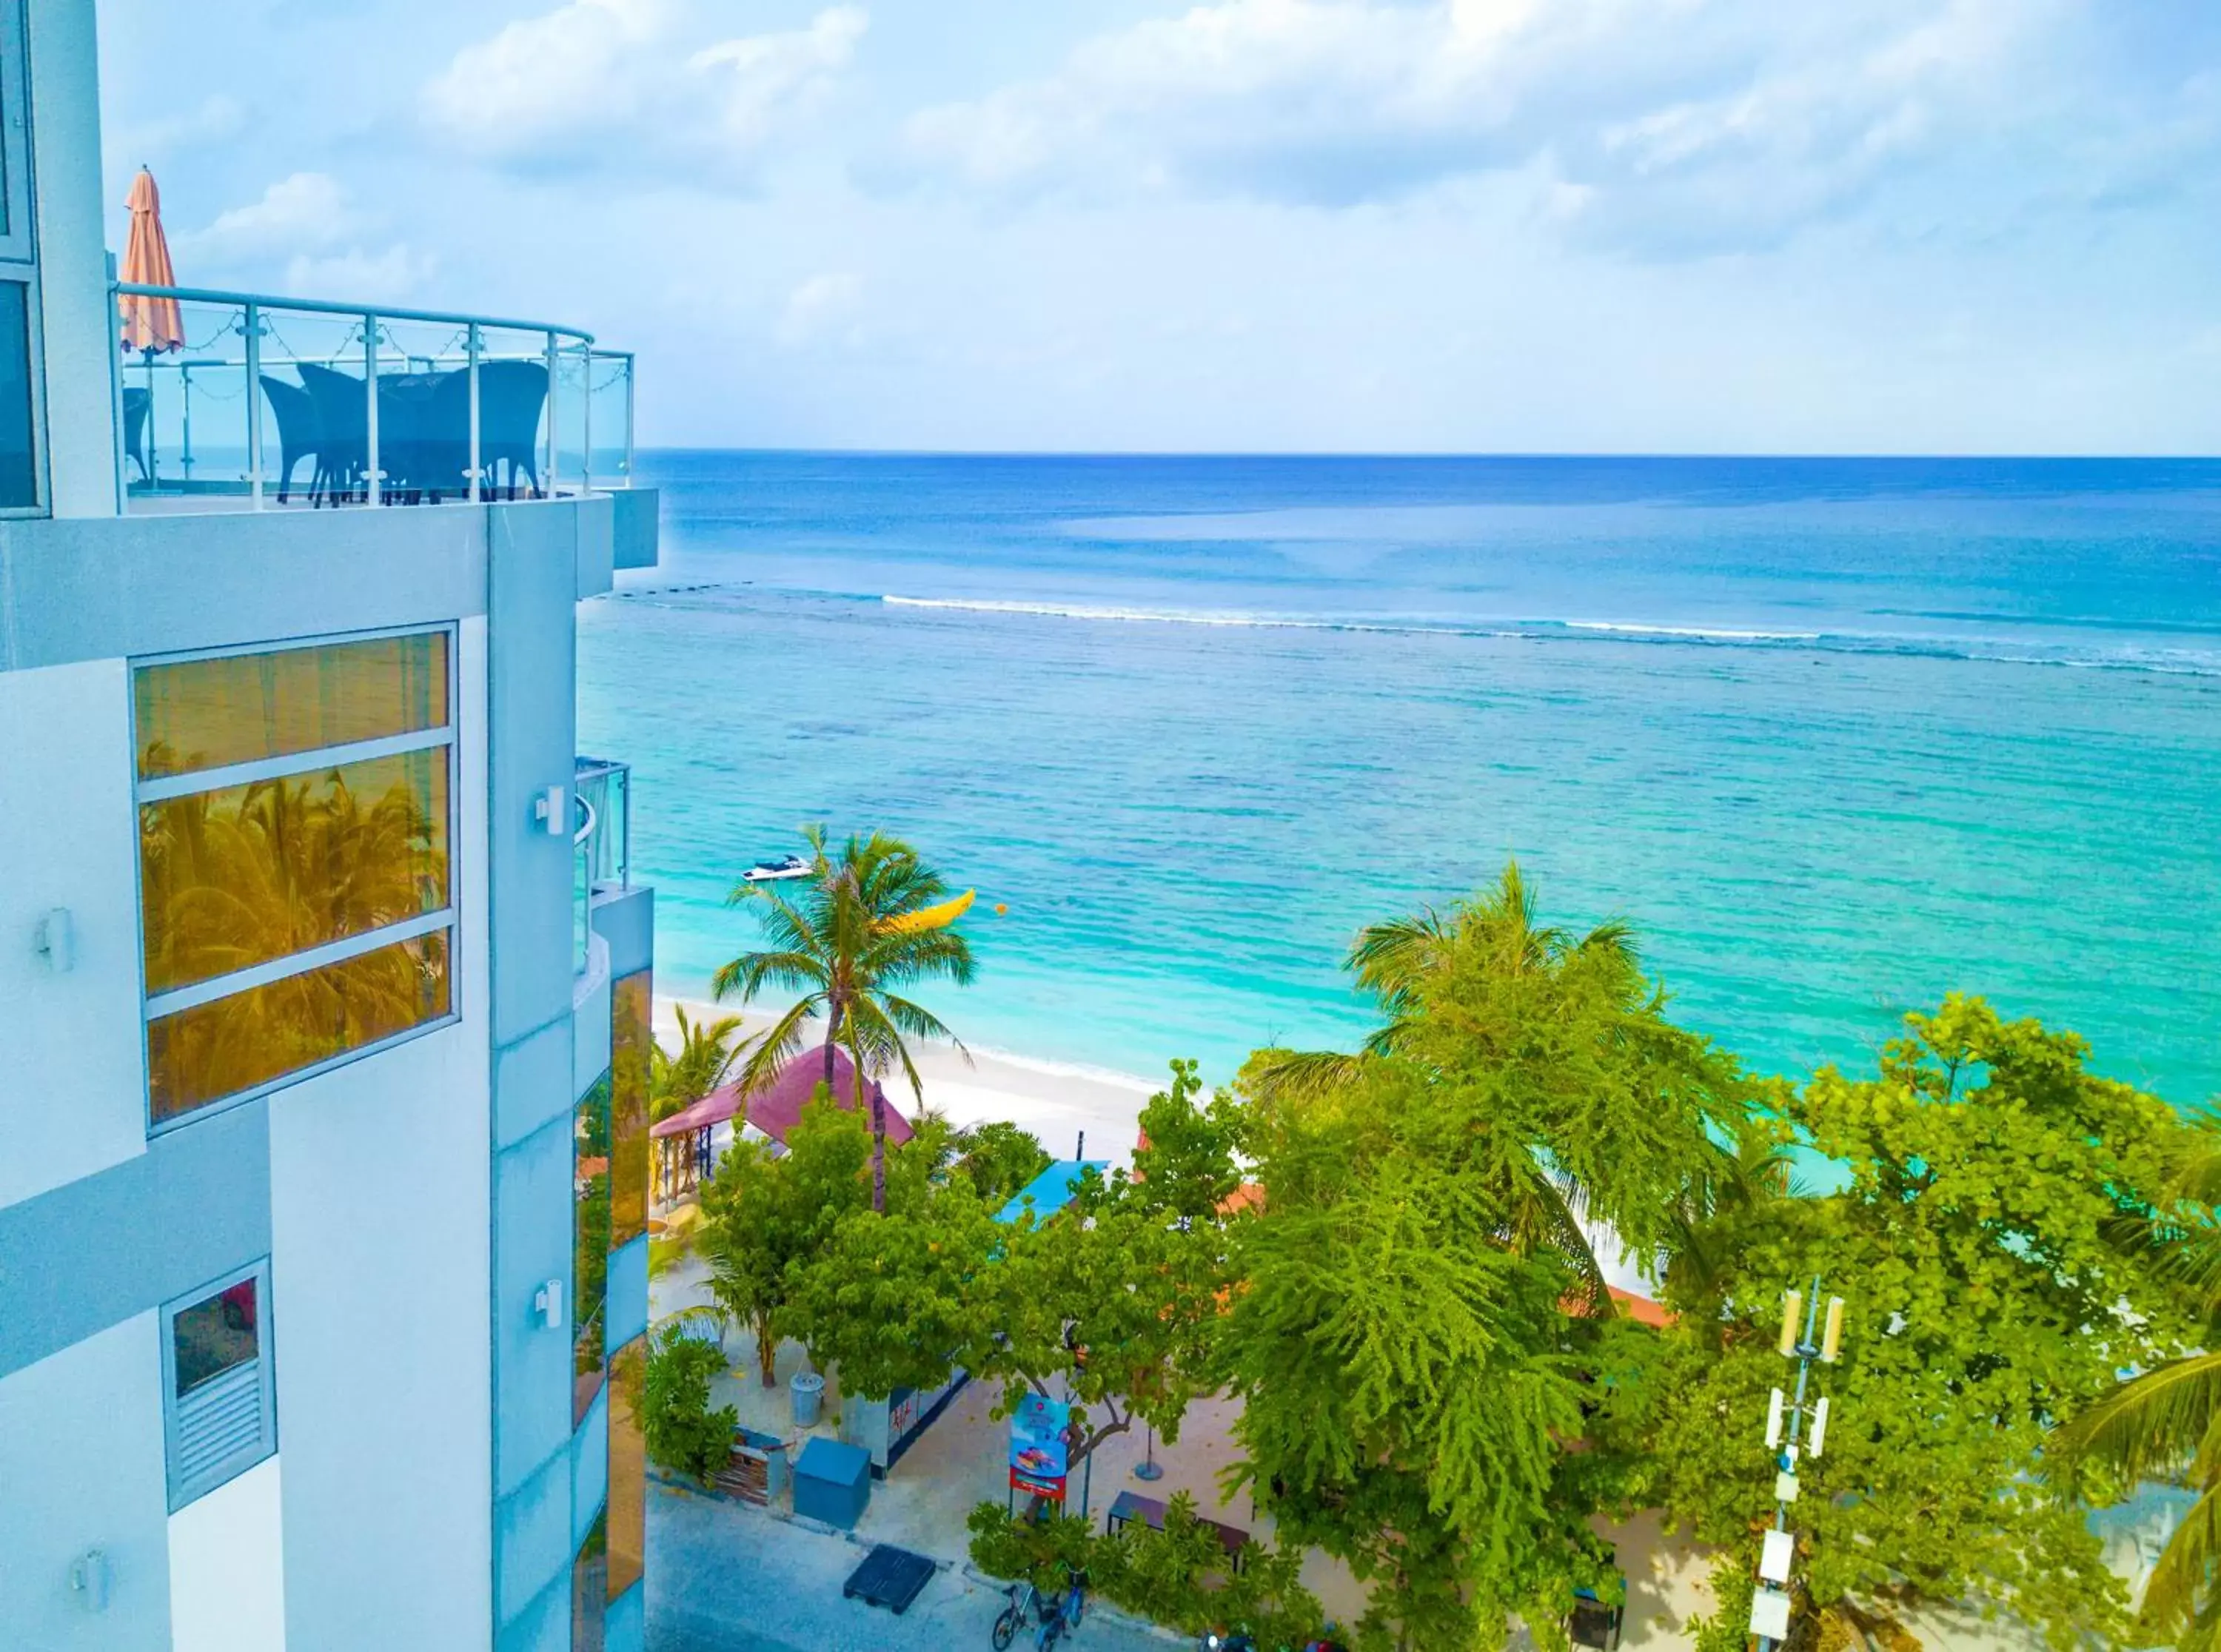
1641,1309
1250,1195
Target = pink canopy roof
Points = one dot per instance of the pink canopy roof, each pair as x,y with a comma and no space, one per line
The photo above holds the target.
712,1109
777,1108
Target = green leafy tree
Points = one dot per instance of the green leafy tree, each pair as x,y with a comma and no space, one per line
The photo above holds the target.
2165,1423
1187,1168
1404,1388
892,1300
1415,1341
869,928
1975,1243
1109,1302
1558,1079
681,1432
999,1158
767,1218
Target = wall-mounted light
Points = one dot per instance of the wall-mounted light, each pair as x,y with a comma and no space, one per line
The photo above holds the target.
547,811
54,939
547,1305
88,1580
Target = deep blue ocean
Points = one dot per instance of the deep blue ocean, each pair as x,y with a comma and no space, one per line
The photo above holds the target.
1838,736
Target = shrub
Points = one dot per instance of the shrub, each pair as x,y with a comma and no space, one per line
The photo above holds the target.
1176,1576
683,1434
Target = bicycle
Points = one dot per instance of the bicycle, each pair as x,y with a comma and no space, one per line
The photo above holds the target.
1025,1601
1063,1613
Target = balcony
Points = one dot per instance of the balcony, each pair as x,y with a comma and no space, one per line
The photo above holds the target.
601,844
272,403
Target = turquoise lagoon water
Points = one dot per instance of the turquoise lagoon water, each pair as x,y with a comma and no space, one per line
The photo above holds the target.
1838,736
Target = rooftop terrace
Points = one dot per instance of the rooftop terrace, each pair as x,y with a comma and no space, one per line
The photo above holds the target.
267,403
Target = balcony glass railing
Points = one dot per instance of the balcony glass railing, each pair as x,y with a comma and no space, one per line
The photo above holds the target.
600,843
263,403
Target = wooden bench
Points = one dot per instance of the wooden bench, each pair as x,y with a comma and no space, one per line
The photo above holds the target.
1150,1512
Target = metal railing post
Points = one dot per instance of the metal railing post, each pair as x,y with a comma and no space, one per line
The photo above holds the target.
586,420
371,474
186,437
255,403
472,349
548,491
628,362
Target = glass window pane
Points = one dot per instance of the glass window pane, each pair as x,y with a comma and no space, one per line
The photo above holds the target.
590,1570
590,1239
628,1505
631,1006
19,483
243,874
204,713
214,1335
215,1049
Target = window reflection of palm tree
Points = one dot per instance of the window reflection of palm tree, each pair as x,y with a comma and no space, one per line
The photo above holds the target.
246,874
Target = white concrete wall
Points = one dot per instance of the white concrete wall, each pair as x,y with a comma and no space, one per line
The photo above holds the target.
227,1568
78,326
73,1083
380,1258
81,1468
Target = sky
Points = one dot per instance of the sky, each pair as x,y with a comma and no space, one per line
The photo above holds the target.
1403,226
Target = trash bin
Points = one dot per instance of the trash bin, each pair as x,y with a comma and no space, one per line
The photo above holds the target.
809,1391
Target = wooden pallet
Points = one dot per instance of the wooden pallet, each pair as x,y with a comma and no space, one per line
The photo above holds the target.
746,1475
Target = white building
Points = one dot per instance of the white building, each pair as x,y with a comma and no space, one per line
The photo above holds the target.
323,991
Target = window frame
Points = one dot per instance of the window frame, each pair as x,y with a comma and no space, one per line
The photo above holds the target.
161,787
184,1491
16,187
19,258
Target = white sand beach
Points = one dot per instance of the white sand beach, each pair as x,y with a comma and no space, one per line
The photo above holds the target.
1058,1104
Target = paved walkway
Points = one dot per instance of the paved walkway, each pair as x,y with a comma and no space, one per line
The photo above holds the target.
723,1577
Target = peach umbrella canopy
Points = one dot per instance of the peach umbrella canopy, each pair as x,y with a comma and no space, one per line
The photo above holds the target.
149,324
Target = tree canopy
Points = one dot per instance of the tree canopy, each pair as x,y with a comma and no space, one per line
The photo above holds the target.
1976,1242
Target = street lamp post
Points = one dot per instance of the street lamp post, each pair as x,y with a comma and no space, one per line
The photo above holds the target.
1785,1419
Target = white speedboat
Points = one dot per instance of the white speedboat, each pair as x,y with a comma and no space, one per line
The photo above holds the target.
777,871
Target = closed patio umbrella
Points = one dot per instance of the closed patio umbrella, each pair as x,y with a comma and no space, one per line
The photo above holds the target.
151,326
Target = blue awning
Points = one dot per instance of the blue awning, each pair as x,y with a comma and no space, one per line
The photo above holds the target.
1051,1190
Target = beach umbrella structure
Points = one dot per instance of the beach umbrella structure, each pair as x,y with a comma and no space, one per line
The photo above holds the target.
151,326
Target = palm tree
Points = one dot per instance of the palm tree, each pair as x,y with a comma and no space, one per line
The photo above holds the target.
2166,1424
1422,969
706,1055
860,932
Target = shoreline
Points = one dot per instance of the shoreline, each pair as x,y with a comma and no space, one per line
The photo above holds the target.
1058,1101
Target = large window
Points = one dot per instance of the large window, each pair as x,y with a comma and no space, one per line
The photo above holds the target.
296,885
590,1242
628,1505
632,1006
19,456
219,1410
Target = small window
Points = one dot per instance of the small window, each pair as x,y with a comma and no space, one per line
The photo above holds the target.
218,1398
19,464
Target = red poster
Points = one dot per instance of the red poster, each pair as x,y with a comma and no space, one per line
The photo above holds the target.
1038,1484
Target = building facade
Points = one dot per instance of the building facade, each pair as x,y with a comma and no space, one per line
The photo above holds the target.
324,988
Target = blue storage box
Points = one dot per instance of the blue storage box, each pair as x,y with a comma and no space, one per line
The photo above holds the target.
832,1482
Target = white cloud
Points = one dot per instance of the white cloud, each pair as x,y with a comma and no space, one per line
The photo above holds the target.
825,306
610,82
386,277
306,231
306,212
216,118
1661,126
